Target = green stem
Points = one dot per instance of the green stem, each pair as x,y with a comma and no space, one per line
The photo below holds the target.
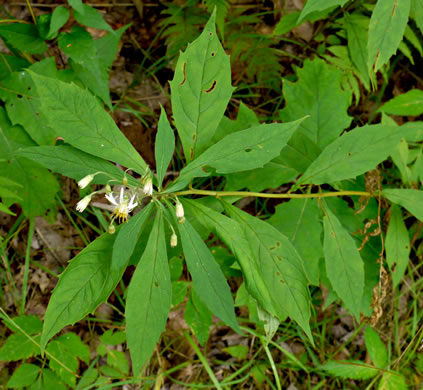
203,361
27,260
245,194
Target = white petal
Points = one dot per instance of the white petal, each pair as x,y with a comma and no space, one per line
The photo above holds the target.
121,195
111,199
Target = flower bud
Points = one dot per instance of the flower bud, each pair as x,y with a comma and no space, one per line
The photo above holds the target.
173,240
125,180
108,189
179,210
112,229
148,187
83,203
181,220
85,181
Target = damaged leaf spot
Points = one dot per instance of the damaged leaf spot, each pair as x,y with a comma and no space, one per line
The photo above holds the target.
248,150
213,53
184,72
211,88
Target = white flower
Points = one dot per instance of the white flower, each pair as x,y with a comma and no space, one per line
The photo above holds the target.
173,240
83,203
148,187
123,205
85,181
179,210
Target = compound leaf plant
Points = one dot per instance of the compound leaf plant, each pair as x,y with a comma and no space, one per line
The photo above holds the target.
279,258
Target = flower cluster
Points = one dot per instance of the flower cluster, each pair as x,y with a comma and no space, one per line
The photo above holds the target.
125,200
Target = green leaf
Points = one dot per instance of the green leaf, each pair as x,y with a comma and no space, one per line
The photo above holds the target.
118,360
149,298
238,351
245,118
48,380
286,23
200,90
411,200
74,163
240,151
59,18
416,12
76,116
231,233
179,292
397,246
198,317
386,29
127,238
318,5
392,381
30,324
88,16
88,378
356,26
376,348
299,221
353,154
353,369
85,283
319,90
344,266
23,104
111,337
66,349
39,187
24,375
19,347
207,277
280,266
10,64
23,37
80,47
299,153
164,147
108,46
409,103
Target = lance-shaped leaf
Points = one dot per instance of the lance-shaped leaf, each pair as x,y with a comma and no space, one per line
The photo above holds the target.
149,298
411,200
231,233
85,283
207,277
344,266
318,5
201,89
397,245
409,103
74,163
240,151
386,29
164,147
280,266
356,26
353,369
376,348
299,220
319,90
88,16
127,238
76,115
353,154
